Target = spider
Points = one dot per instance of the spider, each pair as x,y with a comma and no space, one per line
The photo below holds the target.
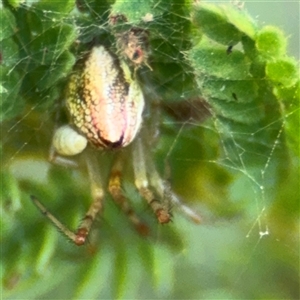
105,103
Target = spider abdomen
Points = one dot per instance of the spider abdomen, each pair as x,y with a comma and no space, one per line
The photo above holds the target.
105,104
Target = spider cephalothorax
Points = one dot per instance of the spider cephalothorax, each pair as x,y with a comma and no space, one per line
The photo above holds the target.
133,45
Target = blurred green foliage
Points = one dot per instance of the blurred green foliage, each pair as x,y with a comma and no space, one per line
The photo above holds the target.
229,113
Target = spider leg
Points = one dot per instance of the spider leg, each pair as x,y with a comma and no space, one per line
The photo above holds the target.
116,192
56,159
96,206
142,184
70,234
164,189
79,237
184,209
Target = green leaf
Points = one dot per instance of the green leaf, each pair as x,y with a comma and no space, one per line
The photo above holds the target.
291,101
271,42
9,53
241,91
283,71
49,75
212,59
133,11
8,23
16,3
55,41
223,24
212,20
248,113
56,9
12,103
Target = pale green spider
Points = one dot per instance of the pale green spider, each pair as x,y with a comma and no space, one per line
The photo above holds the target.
105,105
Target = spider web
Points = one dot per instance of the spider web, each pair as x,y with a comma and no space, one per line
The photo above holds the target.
227,257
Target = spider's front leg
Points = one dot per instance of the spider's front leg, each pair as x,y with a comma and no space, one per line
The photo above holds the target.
96,206
68,142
